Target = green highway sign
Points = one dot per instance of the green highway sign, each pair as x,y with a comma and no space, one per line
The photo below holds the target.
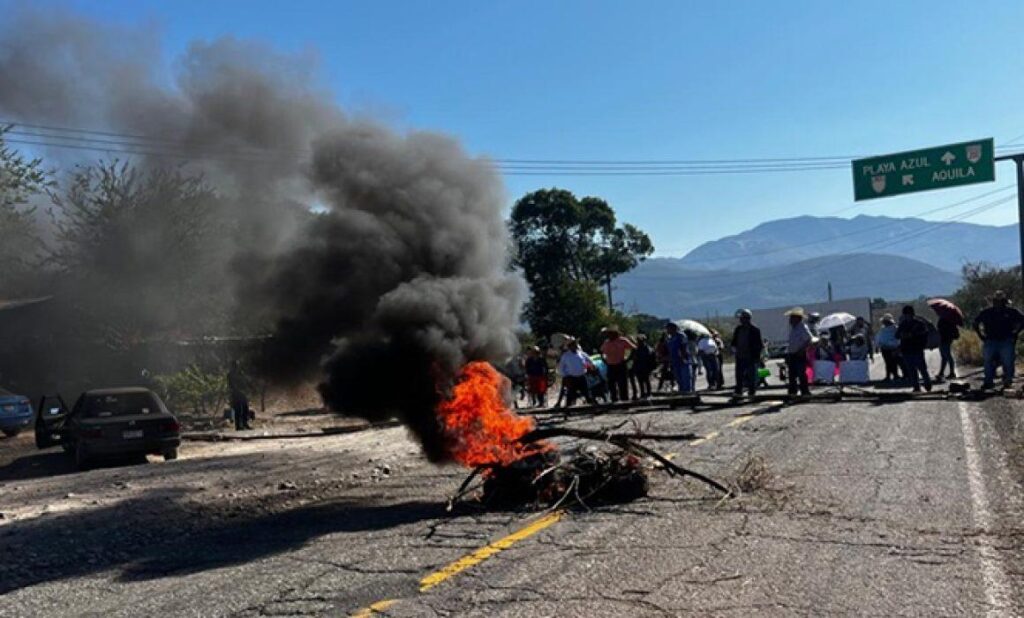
951,165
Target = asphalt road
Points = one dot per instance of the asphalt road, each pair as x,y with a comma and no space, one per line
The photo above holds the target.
911,508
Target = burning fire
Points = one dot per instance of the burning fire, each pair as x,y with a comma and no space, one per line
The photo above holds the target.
481,430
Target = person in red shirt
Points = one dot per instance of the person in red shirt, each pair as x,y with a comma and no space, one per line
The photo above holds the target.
614,350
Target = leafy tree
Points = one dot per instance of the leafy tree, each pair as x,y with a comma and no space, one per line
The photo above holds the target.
566,248
138,250
981,280
20,180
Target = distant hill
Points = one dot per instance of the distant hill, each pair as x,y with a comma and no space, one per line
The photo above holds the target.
666,287
945,246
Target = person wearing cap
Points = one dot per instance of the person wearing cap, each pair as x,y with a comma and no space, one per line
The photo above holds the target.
678,354
999,326
800,338
913,335
889,346
747,344
614,350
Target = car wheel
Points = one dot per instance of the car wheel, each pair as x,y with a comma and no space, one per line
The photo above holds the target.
171,454
10,433
81,458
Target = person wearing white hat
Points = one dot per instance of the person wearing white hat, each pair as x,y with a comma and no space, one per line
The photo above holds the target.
889,346
800,339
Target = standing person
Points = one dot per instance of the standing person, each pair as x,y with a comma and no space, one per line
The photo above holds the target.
614,350
913,335
863,327
889,346
999,326
948,333
800,339
664,362
859,348
644,363
812,350
762,366
719,359
573,367
693,356
537,377
746,347
677,352
708,351
236,396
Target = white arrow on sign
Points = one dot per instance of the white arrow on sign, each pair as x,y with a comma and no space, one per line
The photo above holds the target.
908,179
948,158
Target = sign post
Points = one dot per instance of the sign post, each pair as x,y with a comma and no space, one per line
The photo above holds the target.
952,165
1018,159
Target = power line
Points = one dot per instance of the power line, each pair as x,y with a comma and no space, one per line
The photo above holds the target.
151,145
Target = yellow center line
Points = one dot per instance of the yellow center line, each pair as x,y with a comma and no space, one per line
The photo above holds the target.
736,422
713,434
377,608
487,551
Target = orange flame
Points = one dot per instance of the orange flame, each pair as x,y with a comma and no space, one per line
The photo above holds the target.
481,430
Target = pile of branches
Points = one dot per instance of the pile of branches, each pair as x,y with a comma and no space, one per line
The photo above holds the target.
591,475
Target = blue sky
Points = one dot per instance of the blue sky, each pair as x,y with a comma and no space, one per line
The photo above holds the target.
658,80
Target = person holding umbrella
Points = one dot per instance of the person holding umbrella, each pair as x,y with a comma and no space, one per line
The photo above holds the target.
949,332
999,326
950,319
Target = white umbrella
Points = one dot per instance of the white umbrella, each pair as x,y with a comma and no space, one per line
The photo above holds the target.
694,327
833,320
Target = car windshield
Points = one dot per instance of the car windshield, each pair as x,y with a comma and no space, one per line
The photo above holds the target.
120,404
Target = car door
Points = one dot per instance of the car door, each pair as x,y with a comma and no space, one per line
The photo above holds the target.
50,420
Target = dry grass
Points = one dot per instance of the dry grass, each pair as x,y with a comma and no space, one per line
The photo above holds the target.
967,348
754,475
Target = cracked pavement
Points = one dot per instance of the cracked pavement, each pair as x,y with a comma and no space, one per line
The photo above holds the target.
868,511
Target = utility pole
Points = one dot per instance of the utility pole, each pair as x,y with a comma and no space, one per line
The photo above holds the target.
829,291
1018,159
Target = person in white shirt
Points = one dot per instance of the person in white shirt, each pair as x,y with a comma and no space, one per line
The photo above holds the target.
796,352
573,367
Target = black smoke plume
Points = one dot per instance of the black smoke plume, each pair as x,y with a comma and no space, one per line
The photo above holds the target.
377,260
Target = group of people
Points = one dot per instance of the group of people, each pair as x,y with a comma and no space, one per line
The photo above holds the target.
903,343
625,365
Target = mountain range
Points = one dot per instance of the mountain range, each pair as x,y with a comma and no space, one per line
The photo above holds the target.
944,245
792,261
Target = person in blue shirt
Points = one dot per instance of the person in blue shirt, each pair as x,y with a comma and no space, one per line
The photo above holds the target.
679,357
